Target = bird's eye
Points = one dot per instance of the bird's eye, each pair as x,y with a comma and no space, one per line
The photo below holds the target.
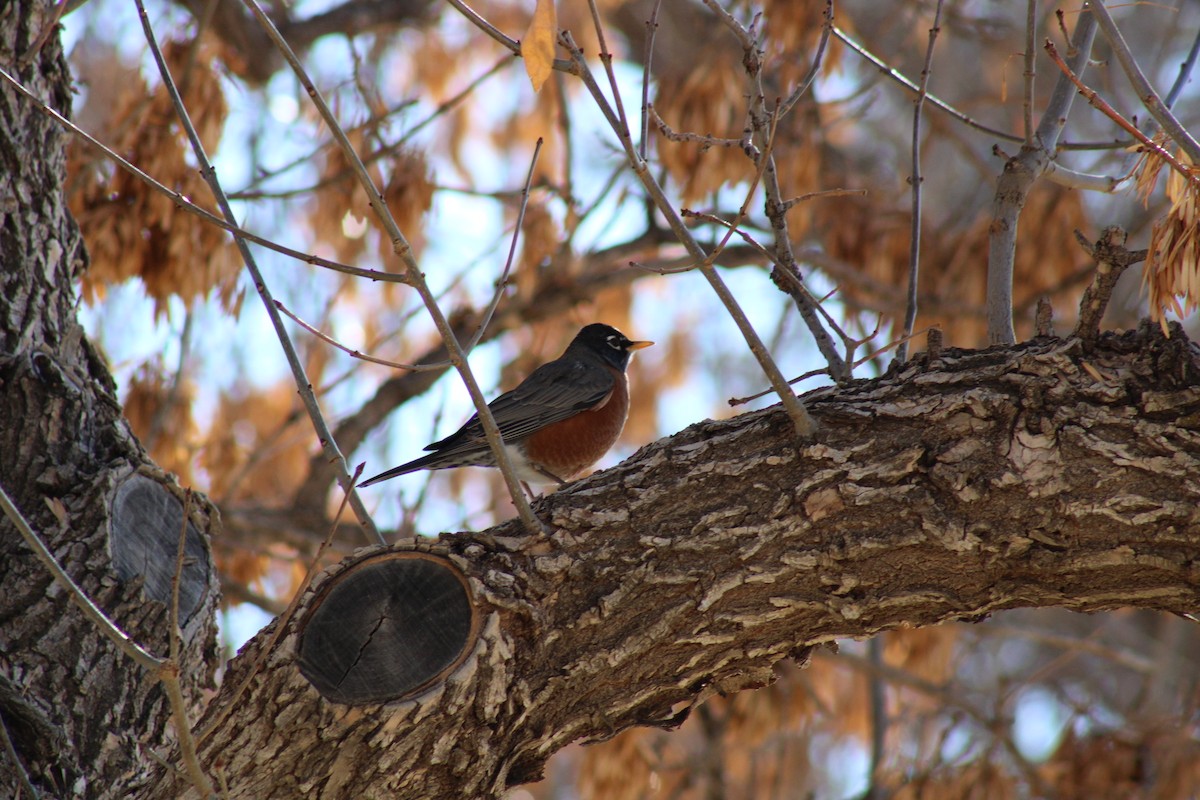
614,342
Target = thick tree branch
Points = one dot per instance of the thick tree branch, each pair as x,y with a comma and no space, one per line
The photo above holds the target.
1041,475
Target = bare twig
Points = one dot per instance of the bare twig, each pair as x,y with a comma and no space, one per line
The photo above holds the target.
879,715
560,64
442,108
1073,179
169,672
647,59
304,388
1189,173
755,143
705,141
106,626
187,205
854,363
763,162
512,250
792,202
48,29
942,105
1185,72
815,69
18,766
950,697
324,337
606,60
403,250
914,246
801,420
487,316
1014,184
1030,68
786,275
1160,111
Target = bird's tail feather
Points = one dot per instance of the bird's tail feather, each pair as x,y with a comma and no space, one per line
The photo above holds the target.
424,462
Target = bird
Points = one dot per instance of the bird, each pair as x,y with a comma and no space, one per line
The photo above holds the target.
556,423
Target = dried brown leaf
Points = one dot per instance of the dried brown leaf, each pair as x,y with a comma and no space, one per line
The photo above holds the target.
1172,270
537,48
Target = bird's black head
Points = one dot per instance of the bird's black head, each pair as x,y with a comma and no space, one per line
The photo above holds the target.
605,341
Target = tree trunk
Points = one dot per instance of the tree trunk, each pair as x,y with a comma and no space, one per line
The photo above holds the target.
83,720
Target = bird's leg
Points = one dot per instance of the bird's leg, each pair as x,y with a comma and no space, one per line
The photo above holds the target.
551,475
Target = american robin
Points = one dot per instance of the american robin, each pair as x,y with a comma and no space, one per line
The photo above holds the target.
557,422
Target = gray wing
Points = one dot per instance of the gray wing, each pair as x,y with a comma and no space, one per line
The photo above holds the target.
553,392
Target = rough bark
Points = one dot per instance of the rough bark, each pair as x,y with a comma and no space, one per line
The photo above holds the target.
1040,475
82,719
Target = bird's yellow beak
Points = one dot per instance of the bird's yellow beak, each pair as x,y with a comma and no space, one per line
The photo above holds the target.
639,345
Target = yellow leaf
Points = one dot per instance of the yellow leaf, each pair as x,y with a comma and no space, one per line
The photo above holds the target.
537,48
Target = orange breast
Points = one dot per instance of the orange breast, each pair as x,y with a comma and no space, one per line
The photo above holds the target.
567,448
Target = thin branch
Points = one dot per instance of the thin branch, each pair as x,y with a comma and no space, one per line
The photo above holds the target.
792,202
606,60
704,140
1160,111
1185,72
403,250
744,37
48,30
1188,173
854,363
1030,67
795,285
799,416
763,162
512,250
879,716
187,205
491,309
370,158
647,59
560,64
304,387
11,752
786,275
1015,182
324,337
106,626
986,722
914,246
169,672
815,69
944,106
1073,179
